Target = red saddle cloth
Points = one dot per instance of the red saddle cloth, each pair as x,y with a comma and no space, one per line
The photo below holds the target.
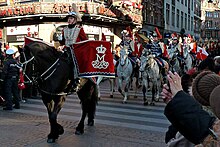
159,62
93,58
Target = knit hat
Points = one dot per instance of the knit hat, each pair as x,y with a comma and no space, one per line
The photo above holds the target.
215,101
203,85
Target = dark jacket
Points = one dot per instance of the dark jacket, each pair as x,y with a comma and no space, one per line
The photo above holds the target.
10,68
187,116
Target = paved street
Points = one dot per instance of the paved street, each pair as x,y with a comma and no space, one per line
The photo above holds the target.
116,124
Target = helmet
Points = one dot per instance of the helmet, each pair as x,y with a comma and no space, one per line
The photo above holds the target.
10,51
71,14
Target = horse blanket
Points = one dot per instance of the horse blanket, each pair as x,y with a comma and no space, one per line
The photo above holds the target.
92,58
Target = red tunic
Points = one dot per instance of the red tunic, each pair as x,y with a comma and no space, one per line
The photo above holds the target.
138,48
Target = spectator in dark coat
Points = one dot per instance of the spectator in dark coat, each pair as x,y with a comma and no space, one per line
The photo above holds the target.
187,115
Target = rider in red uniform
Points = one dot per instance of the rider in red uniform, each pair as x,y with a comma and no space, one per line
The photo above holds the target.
73,32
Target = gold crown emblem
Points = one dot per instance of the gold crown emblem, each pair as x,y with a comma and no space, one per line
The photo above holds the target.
101,49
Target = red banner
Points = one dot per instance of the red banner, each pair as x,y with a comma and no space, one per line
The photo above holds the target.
94,58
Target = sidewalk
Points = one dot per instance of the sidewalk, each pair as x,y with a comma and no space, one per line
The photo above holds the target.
21,130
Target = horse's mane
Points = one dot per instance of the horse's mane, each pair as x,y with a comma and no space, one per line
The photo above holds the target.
42,50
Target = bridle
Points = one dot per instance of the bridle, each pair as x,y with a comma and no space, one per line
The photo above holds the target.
44,76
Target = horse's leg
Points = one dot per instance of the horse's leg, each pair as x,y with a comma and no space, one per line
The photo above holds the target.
88,96
111,82
136,86
158,85
92,107
127,85
80,126
131,81
53,107
99,93
145,90
120,86
153,95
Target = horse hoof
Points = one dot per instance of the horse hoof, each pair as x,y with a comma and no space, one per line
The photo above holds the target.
51,140
124,102
91,123
61,131
156,99
78,132
152,104
145,103
111,96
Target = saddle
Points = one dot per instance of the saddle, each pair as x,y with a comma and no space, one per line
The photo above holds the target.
159,62
163,65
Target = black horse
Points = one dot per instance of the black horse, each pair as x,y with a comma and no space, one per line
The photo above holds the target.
53,72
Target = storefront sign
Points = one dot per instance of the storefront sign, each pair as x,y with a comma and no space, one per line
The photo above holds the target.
91,29
17,30
107,31
16,38
3,2
64,8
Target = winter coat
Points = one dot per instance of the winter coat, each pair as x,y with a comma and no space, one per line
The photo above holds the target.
187,116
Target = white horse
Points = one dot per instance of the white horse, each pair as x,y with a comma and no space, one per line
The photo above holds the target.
124,71
151,76
111,83
187,59
174,63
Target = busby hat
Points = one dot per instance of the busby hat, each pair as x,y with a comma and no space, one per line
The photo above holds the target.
203,85
156,33
129,32
174,36
137,36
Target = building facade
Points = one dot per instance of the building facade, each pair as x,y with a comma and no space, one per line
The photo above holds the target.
153,15
179,15
42,18
210,29
197,19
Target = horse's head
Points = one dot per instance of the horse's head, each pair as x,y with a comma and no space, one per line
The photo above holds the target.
40,54
49,66
144,63
185,52
172,54
123,56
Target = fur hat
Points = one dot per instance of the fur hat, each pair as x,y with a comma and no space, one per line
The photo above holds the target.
203,85
215,101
